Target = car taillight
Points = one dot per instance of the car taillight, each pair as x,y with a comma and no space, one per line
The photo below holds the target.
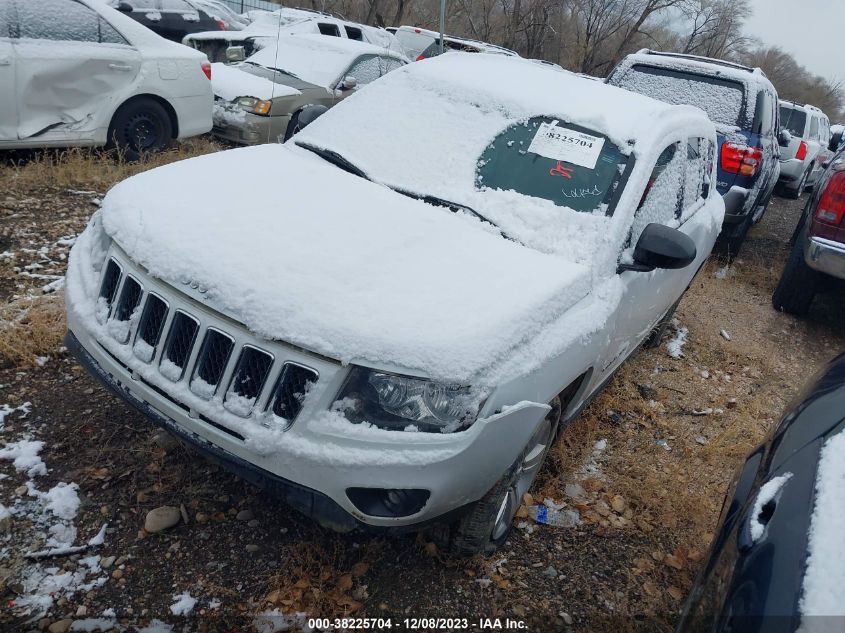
801,154
420,57
831,208
221,24
741,159
206,68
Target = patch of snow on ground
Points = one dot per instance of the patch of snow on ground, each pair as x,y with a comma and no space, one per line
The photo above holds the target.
24,456
95,624
156,626
184,604
722,272
43,585
275,620
62,500
99,538
592,467
6,411
769,491
675,346
824,579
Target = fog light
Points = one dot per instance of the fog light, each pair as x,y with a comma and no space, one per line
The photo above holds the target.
388,502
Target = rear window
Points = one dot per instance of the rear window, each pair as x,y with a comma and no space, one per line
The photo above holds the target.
570,165
414,43
793,120
722,99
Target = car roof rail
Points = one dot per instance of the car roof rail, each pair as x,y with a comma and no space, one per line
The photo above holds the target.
700,58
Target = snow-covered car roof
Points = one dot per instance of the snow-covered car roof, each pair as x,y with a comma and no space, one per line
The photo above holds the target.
487,47
317,59
800,106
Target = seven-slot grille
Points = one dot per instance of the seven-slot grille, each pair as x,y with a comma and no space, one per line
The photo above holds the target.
207,369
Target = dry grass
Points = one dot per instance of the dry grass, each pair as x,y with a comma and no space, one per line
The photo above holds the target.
90,168
31,328
325,580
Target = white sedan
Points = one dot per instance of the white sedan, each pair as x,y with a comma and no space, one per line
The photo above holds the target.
389,320
79,73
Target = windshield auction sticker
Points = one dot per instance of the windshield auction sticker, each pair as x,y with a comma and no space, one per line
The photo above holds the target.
563,144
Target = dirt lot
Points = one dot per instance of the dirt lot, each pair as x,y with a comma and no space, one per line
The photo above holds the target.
646,466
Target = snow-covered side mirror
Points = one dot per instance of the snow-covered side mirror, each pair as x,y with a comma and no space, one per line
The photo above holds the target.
124,7
235,54
784,137
349,82
661,247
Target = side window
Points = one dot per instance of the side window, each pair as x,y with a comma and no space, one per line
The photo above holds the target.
825,131
814,128
5,18
763,114
663,196
354,33
328,29
370,67
696,175
78,23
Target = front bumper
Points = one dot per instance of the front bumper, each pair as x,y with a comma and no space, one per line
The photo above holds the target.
243,128
319,454
826,256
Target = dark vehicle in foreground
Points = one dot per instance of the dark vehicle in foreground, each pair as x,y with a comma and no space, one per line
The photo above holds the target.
172,19
817,260
742,103
776,561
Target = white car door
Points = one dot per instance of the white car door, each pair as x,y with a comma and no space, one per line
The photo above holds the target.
71,67
675,193
8,107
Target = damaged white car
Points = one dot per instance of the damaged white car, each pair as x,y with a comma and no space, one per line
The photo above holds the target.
79,73
463,254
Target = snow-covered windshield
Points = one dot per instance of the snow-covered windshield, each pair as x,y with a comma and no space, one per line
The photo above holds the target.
570,165
793,119
722,99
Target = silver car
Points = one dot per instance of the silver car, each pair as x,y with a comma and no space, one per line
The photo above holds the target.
271,95
802,158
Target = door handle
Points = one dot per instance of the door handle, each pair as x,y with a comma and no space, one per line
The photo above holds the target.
120,67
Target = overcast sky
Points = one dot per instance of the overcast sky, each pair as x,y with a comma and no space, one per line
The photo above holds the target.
812,30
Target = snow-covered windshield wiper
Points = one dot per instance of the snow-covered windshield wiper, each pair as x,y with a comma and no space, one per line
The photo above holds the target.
442,202
335,159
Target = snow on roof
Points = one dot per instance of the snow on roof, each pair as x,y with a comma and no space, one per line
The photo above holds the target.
339,265
317,59
487,46
229,83
750,76
824,578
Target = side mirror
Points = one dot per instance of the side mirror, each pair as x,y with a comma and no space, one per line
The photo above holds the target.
124,7
661,247
349,82
235,54
309,114
784,137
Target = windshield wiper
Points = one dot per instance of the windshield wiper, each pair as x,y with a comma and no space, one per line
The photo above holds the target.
442,202
335,159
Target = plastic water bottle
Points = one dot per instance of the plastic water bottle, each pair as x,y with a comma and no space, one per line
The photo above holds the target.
549,516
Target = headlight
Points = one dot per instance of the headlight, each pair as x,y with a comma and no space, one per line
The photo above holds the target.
394,402
256,106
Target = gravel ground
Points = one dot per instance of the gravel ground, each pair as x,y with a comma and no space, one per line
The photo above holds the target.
646,467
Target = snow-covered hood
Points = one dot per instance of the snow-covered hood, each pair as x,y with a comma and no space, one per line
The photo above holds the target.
301,251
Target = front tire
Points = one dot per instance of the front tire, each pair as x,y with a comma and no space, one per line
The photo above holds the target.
140,127
798,284
489,522
802,185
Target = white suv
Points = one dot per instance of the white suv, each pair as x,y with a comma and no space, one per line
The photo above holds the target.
802,157
77,72
388,337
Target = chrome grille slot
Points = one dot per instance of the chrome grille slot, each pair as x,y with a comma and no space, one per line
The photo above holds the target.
177,349
248,380
294,382
127,303
108,289
150,328
211,362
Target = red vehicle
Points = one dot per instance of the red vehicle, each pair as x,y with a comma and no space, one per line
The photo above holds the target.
817,260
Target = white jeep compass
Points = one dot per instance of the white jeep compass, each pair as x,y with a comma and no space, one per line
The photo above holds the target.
386,320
